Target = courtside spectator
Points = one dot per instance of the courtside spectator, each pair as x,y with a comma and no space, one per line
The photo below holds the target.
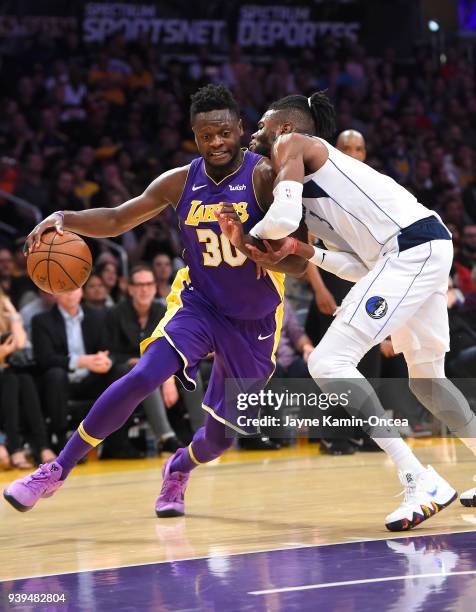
68,343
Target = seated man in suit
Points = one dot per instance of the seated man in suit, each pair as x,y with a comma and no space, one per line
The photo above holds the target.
128,323
69,348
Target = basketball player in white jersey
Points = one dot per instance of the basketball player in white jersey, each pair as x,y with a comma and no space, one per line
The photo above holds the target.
397,252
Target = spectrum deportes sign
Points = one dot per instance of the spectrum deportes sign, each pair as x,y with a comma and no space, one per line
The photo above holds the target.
197,24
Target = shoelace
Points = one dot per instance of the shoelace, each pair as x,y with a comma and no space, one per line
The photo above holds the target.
408,492
172,489
40,475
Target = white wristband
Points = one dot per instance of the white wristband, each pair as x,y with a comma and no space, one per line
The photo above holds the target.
284,214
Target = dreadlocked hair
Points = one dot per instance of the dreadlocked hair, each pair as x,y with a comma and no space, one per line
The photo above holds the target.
213,97
314,115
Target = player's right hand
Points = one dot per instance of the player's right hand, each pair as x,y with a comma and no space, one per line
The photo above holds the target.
54,221
230,224
276,250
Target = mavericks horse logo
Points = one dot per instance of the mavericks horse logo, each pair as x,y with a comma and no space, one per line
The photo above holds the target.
376,307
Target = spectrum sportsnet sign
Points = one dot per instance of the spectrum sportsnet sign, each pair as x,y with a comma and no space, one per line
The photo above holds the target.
256,26
101,19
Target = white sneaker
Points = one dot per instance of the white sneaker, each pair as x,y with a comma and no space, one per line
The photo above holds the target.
425,495
468,498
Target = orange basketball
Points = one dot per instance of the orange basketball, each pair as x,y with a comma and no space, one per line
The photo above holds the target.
61,263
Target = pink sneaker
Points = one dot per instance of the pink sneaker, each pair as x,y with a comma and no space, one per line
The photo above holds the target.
23,493
170,501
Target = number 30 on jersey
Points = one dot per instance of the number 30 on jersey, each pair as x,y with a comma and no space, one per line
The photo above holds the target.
219,249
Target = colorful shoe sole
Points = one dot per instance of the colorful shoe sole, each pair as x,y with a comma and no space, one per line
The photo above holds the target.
406,525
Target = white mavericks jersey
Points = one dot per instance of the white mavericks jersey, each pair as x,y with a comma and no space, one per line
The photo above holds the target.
354,208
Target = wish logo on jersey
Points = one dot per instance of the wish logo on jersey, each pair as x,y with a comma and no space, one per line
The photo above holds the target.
376,307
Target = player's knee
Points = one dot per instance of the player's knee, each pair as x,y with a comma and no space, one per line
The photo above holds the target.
320,368
324,366
424,377
425,363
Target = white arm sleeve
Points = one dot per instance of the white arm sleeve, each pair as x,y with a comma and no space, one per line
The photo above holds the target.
344,265
284,214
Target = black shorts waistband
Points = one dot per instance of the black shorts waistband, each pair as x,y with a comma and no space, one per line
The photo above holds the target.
423,230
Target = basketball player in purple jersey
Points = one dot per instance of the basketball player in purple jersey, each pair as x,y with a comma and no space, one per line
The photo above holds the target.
217,303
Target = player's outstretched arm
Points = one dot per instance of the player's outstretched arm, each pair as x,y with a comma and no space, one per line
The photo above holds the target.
344,265
107,222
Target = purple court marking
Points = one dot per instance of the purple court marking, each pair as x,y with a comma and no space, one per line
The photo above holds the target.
401,575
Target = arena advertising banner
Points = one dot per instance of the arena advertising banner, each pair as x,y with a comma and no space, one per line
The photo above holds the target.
184,24
291,25
26,18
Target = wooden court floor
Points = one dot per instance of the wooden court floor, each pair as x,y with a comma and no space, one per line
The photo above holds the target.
248,501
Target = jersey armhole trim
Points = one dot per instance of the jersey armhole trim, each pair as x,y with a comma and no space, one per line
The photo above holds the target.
254,189
179,201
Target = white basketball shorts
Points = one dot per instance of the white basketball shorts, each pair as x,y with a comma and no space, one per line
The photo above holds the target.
404,297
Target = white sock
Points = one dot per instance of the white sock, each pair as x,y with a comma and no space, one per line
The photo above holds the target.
401,454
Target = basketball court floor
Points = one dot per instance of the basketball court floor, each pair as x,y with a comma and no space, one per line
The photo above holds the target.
277,531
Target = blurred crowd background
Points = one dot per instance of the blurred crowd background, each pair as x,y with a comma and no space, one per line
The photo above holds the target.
84,125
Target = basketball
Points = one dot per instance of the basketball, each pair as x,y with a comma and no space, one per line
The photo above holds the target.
61,263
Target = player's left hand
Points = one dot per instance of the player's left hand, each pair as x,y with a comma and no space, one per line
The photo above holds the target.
276,250
230,224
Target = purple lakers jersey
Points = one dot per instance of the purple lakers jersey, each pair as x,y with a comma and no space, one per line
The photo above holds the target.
219,272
